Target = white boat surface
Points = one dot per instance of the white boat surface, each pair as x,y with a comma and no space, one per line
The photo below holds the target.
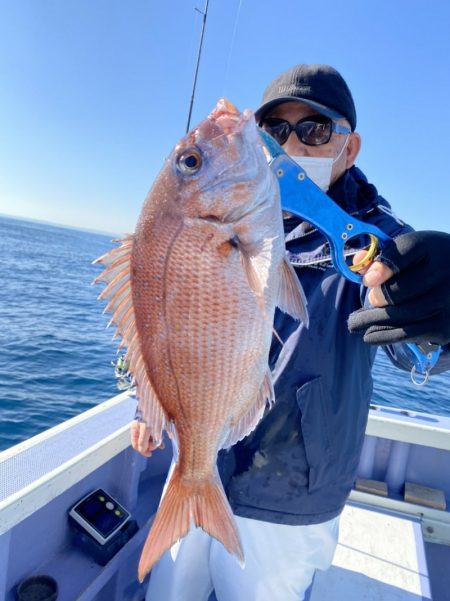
389,548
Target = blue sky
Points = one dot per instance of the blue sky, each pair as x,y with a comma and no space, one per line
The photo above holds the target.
94,94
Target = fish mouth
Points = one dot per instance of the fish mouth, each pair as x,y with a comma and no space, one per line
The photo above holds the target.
231,136
224,127
232,148
229,118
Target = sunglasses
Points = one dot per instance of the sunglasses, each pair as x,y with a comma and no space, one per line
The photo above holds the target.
312,131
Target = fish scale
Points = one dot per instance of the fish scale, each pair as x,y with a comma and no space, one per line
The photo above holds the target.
204,271
214,374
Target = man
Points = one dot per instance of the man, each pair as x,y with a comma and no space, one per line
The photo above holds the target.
288,481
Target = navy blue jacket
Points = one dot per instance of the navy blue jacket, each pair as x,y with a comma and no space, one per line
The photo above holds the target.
299,465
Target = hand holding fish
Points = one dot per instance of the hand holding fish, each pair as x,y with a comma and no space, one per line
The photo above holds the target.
141,439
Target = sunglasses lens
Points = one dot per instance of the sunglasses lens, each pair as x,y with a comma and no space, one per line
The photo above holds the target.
313,133
277,128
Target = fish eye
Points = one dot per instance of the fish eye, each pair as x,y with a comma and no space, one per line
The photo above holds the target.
189,161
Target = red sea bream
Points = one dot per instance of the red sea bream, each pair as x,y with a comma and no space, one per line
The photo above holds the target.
193,293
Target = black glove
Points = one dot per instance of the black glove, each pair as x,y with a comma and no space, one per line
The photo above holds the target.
418,294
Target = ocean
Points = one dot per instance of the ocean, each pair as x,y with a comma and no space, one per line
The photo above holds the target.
57,352
56,349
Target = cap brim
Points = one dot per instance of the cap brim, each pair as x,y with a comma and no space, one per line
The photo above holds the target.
320,108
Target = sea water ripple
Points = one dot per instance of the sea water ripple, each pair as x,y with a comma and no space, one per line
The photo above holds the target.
55,349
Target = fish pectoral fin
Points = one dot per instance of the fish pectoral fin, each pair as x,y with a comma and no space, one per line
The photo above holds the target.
117,275
256,260
184,501
291,298
247,422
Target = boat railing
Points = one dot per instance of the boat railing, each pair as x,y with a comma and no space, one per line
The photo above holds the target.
37,470
407,451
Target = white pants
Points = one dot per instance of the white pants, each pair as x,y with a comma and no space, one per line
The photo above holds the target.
280,562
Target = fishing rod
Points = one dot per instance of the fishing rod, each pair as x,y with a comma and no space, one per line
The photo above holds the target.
204,14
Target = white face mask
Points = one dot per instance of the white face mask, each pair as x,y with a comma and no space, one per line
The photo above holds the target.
318,169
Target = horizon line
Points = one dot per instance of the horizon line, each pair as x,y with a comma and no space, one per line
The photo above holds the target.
62,225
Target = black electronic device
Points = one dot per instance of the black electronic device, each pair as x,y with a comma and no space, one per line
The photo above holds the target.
100,515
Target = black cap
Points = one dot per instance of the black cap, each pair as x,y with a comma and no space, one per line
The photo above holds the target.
319,86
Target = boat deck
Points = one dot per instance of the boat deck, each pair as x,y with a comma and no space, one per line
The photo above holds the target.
389,549
379,556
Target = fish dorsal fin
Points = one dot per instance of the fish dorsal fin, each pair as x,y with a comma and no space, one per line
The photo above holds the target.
117,275
291,298
247,422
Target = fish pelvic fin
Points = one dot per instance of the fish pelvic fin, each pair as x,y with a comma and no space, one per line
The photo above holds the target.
118,293
291,297
185,503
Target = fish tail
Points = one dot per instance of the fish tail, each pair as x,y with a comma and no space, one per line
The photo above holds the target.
184,503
